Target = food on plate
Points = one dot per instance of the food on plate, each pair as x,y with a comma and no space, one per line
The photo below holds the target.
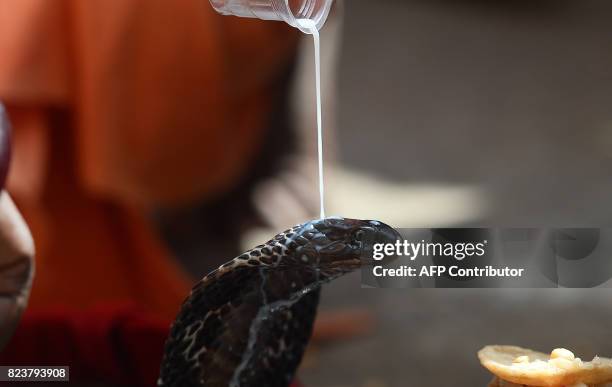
515,366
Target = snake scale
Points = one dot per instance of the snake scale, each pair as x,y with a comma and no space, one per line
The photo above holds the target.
248,322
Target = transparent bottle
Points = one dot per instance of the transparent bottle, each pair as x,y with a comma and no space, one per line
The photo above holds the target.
289,11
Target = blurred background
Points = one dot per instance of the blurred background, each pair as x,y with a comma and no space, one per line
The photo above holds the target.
470,113
150,158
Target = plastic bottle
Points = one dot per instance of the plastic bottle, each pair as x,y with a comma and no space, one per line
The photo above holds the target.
289,11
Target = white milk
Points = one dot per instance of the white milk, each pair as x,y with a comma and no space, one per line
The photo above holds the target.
311,26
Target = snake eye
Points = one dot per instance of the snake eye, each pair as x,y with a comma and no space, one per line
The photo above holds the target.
359,235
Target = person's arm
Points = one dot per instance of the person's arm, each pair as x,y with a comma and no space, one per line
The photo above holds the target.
16,250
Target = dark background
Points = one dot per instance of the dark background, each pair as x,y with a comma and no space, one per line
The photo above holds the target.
510,98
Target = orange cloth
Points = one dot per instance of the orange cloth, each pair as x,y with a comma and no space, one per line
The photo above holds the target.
120,105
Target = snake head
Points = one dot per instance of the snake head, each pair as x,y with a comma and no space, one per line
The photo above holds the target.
339,245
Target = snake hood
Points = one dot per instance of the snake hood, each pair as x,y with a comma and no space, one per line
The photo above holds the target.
248,322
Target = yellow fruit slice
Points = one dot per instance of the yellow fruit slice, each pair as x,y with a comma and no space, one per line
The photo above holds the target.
560,368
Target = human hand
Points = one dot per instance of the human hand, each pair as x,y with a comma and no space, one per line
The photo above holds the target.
16,249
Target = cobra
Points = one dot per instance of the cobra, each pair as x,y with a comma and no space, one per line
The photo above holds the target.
248,322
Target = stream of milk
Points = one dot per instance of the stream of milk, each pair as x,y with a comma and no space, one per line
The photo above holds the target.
311,26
